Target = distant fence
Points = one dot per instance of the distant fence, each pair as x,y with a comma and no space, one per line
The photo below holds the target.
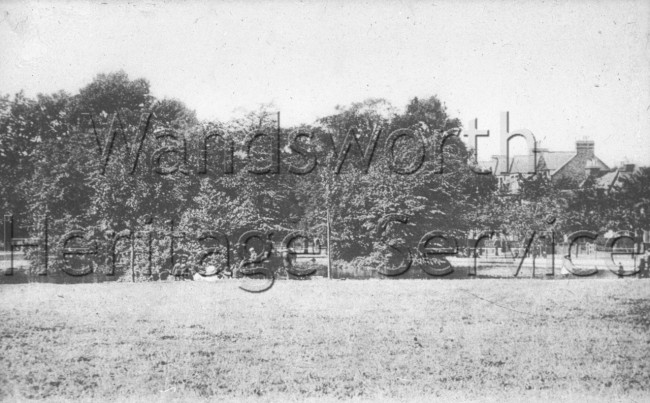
489,259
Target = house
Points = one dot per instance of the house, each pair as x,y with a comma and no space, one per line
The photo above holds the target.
567,169
612,180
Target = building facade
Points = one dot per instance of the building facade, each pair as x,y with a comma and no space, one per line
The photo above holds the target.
566,169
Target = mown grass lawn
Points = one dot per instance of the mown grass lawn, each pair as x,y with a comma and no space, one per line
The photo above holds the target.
325,340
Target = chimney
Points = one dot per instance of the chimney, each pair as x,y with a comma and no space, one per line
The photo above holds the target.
626,167
585,148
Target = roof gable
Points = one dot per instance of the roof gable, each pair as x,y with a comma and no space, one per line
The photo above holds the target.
522,164
607,181
554,160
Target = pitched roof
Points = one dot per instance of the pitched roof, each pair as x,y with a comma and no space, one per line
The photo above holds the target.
554,160
613,179
522,164
622,175
607,181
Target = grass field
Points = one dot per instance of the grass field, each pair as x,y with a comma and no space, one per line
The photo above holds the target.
492,340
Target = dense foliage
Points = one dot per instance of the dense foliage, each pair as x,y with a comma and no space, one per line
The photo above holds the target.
113,158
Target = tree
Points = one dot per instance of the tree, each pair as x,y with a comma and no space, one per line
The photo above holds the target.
588,208
367,192
633,200
35,171
51,158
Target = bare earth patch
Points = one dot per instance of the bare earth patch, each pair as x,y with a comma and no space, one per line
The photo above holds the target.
493,340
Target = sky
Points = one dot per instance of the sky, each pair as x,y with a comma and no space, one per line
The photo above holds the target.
564,70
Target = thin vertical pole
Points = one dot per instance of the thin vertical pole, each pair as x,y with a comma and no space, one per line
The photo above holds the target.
44,240
329,247
8,231
132,259
552,252
9,234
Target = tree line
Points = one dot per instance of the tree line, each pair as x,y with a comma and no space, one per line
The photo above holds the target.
68,156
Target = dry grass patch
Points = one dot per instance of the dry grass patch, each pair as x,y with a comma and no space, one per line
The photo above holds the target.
328,340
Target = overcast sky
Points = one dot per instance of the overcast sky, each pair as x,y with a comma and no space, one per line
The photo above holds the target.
564,70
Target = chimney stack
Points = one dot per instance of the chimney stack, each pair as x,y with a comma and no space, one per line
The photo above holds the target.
585,148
